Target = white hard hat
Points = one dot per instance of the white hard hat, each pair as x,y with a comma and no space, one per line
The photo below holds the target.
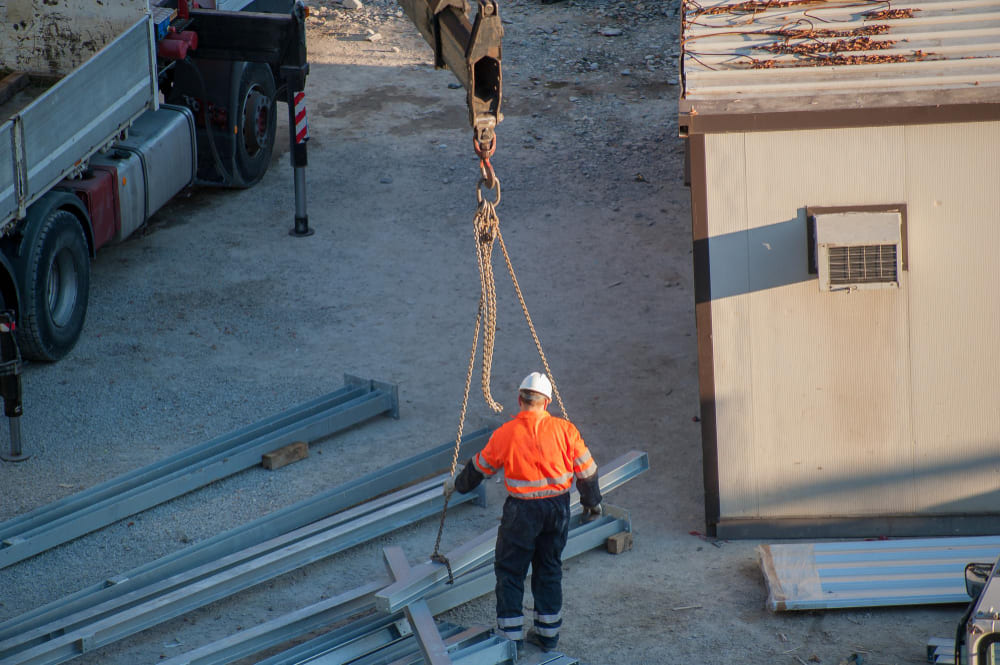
539,383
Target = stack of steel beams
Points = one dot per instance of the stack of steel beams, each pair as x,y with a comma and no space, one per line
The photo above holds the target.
219,567
248,535
99,506
378,636
112,620
367,636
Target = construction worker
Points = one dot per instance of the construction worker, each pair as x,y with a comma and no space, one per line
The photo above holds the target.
540,455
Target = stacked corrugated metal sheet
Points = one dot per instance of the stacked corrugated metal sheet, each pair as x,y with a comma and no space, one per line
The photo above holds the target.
774,48
908,571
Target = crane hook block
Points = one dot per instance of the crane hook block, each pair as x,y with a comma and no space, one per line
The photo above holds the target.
472,51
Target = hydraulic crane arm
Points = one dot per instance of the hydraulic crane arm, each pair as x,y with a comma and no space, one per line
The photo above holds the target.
472,51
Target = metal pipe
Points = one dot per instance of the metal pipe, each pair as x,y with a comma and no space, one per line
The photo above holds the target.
16,453
301,218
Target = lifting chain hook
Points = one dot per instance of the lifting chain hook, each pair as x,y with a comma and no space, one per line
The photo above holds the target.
485,167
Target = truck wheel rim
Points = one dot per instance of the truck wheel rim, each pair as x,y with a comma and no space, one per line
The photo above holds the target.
62,289
256,110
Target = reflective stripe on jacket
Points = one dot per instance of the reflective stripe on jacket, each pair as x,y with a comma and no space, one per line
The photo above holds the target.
539,454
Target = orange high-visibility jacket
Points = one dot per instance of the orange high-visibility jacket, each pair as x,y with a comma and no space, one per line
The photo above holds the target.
539,454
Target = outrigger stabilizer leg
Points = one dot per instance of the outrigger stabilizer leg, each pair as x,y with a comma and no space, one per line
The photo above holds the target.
10,386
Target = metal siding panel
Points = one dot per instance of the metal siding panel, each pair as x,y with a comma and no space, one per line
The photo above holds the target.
727,226
8,197
954,212
810,576
830,382
105,93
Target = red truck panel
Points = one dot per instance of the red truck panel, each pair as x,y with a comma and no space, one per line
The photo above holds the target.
98,190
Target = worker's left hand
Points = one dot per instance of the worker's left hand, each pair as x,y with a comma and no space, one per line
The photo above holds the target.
591,513
449,486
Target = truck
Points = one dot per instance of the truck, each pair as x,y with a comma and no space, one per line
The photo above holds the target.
108,111
977,636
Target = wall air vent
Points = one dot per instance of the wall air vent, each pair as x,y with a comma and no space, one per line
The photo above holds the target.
858,250
862,264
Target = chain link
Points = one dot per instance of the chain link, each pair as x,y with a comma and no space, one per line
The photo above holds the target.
487,227
437,556
531,325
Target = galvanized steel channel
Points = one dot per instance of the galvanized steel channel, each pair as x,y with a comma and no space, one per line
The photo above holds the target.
253,533
477,581
136,491
152,605
343,642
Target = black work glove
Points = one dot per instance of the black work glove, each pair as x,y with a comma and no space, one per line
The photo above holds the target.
591,513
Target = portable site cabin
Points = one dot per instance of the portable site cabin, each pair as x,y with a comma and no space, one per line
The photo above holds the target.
844,165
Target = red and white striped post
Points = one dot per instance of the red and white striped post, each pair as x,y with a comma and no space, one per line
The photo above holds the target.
299,126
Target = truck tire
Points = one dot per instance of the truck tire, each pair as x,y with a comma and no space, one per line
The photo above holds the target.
55,289
256,113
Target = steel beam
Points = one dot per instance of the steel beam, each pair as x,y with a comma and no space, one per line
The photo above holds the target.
324,537
473,646
472,584
142,609
342,643
287,627
480,549
494,651
245,536
184,458
480,581
420,618
552,658
405,647
162,484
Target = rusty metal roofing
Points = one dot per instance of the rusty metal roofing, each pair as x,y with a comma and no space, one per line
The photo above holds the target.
773,55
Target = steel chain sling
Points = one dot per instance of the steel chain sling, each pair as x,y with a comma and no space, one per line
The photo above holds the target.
486,226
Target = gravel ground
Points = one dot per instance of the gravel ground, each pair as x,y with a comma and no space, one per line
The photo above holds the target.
214,317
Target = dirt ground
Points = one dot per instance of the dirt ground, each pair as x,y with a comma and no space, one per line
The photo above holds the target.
214,317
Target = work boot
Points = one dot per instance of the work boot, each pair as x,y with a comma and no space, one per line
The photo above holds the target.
546,644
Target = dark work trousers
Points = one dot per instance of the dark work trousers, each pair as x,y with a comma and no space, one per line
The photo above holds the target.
532,531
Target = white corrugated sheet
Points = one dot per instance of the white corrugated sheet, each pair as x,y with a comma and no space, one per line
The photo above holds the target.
782,48
810,576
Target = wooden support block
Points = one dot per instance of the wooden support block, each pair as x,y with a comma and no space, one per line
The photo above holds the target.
12,84
620,542
293,452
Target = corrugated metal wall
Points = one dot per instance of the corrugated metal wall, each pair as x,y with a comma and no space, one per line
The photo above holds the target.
863,403
953,186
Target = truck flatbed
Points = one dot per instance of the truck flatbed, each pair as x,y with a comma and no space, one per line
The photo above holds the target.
15,97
